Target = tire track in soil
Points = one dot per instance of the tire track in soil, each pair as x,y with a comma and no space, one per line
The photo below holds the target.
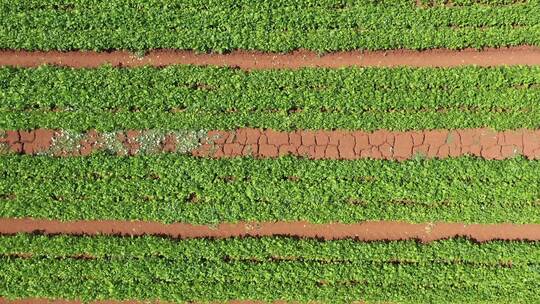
313,144
364,231
254,60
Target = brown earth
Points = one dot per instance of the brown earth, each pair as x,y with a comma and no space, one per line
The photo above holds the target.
321,144
380,144
364,231
252,60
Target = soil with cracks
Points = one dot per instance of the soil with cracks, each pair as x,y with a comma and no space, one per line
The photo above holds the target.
268,143
253,60
364,231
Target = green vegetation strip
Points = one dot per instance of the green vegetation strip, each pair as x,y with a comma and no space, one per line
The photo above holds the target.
187,97
148,268
267,25
181,281
272,248
175,188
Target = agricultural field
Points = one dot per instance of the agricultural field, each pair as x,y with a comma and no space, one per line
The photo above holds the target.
272,151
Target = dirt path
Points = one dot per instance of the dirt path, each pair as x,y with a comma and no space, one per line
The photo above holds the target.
339,144
365,231
251,60
380,144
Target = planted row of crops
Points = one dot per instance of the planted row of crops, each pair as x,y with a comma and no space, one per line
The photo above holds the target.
270,248
265,25
186,97
266,269
178,188
184,281
194,88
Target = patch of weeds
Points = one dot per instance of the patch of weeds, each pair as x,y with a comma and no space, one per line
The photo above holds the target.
419,156
64,141
150,141
111,144
187,140
4,149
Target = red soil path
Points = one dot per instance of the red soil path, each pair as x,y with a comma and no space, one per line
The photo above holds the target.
364,231
251,60
380,144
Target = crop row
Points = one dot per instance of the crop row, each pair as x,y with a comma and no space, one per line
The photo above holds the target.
181,281
264,25
176,188
221,98
272,248
192,88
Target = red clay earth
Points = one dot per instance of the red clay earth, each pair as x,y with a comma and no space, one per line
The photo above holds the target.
251,60
340,144
364,231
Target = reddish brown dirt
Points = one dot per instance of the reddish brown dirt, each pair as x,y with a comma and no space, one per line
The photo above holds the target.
27,142
365,231
251,60
340,144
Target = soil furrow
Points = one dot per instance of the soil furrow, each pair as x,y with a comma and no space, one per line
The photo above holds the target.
252,60
365,231
267,143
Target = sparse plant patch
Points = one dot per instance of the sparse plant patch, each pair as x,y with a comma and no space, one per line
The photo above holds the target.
150,141
65,142
110,143
187,140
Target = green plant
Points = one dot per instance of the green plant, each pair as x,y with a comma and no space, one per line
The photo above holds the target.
352,98
158,188
266,25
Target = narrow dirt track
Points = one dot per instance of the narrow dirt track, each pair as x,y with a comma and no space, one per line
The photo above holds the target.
365,231
252,60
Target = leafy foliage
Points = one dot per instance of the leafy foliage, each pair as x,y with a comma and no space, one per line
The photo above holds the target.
271,248
203,270
267,25
158,188
187,97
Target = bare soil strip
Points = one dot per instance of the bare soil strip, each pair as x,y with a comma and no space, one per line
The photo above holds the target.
365,231
252,60
380,144
267,143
